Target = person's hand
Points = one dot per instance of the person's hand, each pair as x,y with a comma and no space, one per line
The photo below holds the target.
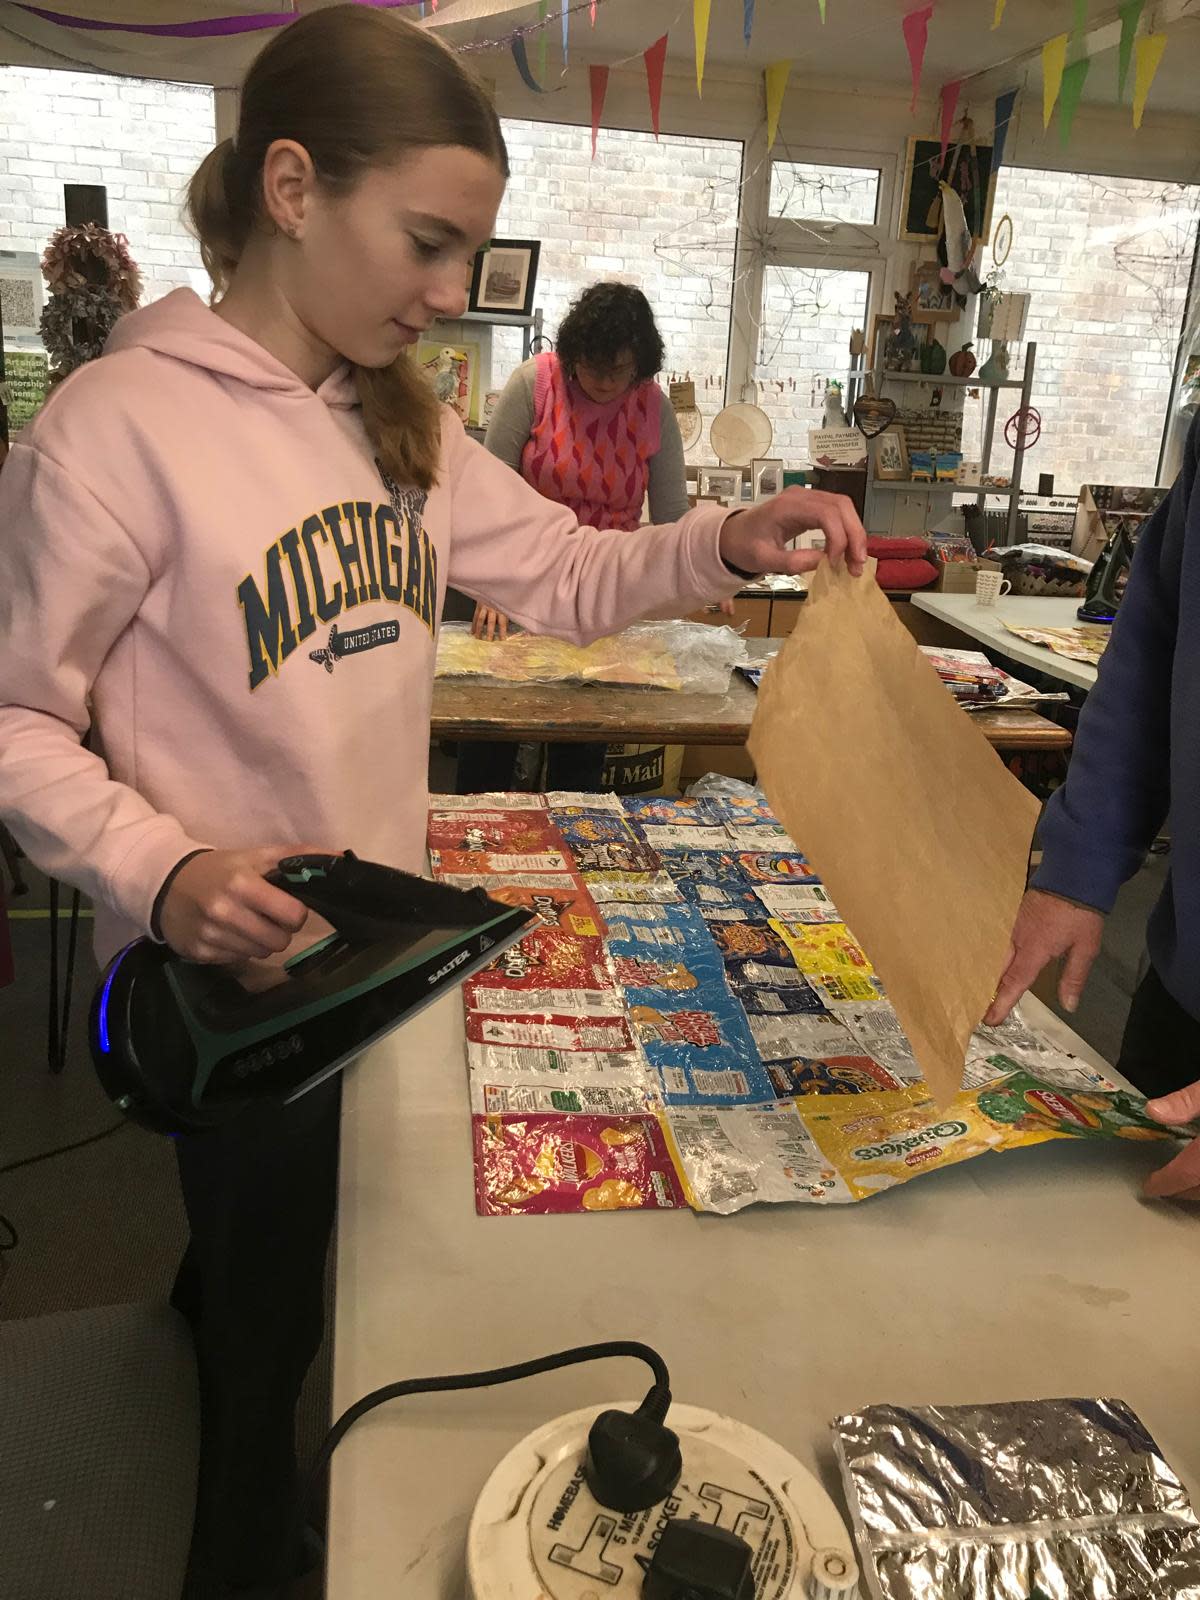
1179,1179
1047,928
221,908
489,623
757,540
726,608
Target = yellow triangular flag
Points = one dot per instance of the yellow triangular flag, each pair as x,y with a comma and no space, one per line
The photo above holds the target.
1054,59
700,15
775,77
1147,53
999,17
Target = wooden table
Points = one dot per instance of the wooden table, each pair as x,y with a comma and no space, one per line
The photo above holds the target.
1038,1272
986,624
466,709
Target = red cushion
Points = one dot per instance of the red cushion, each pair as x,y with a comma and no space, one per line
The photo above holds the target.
905,574
897,549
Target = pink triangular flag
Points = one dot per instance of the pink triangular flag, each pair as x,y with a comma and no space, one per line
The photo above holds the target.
916,37
950,92
598,77
655,59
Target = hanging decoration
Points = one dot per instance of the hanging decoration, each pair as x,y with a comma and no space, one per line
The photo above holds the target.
821,4
1073,79
998,16
1147,53
775,79
212,28
655,59
701,11
592,12
916,37
950,93
1131,15
747,20
566,12
521,56
543,41
1080,23
598,79
93,282
1054,59
1001,121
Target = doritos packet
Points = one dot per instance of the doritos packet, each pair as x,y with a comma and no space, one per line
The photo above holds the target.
537,1163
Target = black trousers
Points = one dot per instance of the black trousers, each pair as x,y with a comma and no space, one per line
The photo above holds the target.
260,1194
485,765
1161,1048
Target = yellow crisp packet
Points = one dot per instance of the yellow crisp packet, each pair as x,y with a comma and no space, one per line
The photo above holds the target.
877,1141
823,948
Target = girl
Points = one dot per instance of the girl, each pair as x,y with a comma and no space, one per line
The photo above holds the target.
587,426
226,544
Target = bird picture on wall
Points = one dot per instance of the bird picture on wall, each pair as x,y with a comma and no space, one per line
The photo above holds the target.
452,371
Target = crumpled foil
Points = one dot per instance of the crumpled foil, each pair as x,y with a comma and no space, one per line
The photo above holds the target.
1031,1500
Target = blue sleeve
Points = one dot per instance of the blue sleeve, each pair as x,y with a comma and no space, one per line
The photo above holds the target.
1098,826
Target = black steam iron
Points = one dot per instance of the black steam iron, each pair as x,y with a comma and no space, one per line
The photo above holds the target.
1107,579
180,1046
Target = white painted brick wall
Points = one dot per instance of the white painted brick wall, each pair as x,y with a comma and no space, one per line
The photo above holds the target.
142,141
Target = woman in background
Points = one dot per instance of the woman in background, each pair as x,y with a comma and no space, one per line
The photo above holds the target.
589,428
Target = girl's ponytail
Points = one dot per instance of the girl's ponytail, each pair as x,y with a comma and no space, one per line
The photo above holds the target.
212,216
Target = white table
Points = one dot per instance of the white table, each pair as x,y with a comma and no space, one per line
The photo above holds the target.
986,623
1035,1273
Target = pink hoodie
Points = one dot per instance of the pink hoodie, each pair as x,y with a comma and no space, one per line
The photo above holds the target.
201,549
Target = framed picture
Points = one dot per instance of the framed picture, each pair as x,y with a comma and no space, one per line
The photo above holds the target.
21,298
891,455
766,475
967,168
505,277
453,372
933,300
719,483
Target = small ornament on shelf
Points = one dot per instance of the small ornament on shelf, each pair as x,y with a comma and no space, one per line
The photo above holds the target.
962,362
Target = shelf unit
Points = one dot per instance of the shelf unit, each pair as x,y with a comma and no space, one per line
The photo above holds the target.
531,327
980,490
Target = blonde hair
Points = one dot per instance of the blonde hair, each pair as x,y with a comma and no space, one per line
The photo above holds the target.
357,88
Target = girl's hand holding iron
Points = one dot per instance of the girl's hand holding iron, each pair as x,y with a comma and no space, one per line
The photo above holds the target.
220,908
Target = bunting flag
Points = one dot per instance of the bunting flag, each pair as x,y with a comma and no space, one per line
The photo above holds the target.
543,39
592,12
1080,22
655,59
998,18
1147,53
1001,122
916,37
701,10
1054,59
566,12
821,4
747,20
1131,15
950,93
521,57
775,79
598,78
1073,80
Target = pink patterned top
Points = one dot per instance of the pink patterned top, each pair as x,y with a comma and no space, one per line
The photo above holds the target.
595,460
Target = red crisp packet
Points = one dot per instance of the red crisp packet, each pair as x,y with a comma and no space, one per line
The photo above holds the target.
572,910
548,958
554,1031
493,832
542,1164
513,863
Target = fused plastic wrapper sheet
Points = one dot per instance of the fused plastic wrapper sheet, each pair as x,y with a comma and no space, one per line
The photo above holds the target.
1062,1498
914,824
691,656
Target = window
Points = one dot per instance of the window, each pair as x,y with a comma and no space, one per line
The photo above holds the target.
802,189
141,139
1107,262
658,213
808,316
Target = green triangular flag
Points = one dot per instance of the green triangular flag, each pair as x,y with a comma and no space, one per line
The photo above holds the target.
1073,80
1080,18
1131,15
821,3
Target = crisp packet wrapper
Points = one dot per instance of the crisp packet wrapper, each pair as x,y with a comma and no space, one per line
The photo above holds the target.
1024,1103
483,832
538,1164
730,1159
1062,1499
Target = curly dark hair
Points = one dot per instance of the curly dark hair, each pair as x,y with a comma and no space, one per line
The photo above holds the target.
607,320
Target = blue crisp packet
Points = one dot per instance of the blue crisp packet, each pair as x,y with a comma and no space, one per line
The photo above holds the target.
659,810
769,990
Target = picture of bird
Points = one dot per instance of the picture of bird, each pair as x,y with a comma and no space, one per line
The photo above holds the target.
446,374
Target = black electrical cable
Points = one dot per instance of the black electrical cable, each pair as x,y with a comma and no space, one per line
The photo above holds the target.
65,1149
656,1404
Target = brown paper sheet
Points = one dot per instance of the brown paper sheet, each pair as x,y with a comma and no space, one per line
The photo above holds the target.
916,826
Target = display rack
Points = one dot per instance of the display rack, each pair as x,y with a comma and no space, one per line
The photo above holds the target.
1012,492
531,327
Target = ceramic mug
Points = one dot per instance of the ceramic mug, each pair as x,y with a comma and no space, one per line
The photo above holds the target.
989,586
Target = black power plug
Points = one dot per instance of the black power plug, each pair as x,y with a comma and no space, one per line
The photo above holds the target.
695,1561
633,1459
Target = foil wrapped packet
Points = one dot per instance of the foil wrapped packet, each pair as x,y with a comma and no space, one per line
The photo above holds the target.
1029,1500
